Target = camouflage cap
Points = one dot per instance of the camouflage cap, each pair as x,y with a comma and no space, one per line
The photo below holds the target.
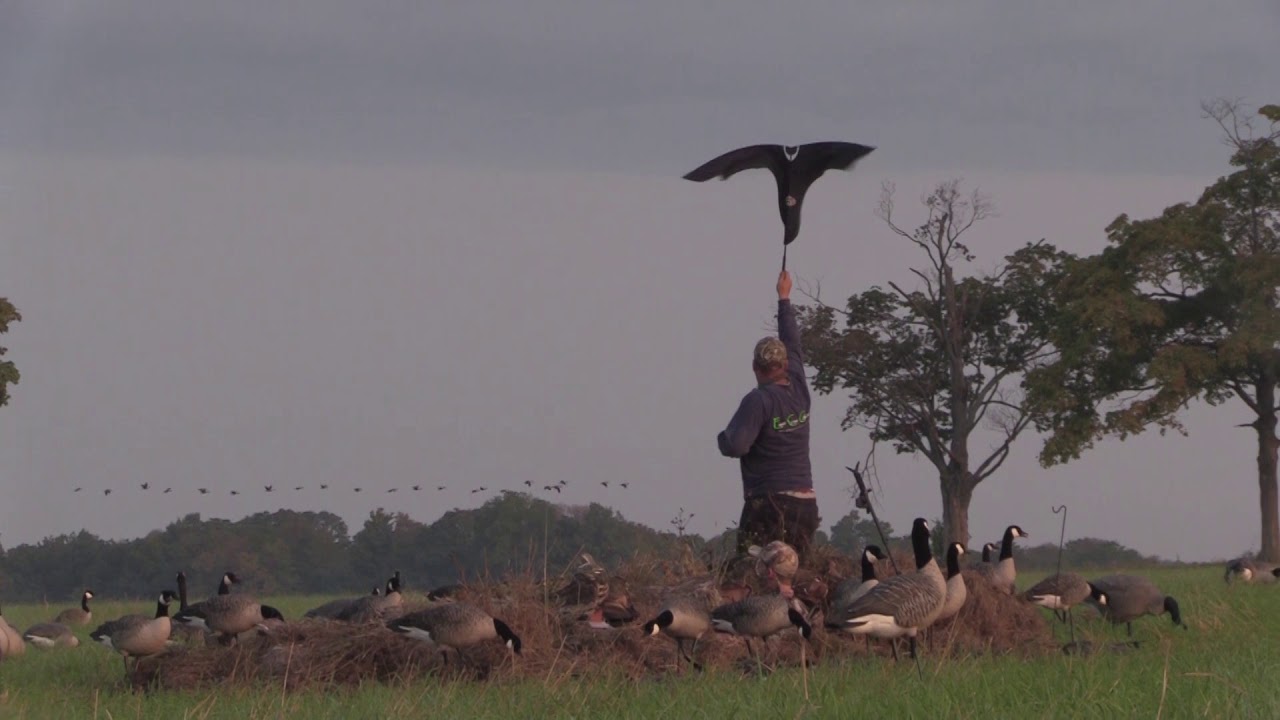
770,353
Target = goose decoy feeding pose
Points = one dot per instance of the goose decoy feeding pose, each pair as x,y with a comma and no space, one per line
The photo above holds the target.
794,168
686,619
50,635
1129,597
1060,593
760,616
454,625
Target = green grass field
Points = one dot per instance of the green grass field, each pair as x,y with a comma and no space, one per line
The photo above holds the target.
1224,666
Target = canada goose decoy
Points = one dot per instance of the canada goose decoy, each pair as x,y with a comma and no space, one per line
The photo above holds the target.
685,619
1060,593
1249,570
11,643
454,625
901,605
226,614
760,616
1129,597
851,589
50,635
137,635
444,591
1002,573
77,616
794,168
373,607
988,552
331,609
957,592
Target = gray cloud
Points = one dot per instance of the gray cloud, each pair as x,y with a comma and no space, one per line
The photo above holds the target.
626,86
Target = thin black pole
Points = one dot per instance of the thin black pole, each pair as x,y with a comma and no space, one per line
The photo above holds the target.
864,502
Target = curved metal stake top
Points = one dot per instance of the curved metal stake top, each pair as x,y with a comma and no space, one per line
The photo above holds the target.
1062,536
864,501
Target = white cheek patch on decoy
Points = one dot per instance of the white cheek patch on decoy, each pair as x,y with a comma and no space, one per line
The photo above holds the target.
106,641
511,644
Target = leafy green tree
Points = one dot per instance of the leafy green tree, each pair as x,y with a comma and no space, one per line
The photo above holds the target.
1177,308
851,533
8,371
929,367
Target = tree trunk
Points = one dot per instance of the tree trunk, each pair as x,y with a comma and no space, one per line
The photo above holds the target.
957,491
1268,497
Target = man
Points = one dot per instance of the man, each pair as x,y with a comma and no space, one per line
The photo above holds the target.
770,433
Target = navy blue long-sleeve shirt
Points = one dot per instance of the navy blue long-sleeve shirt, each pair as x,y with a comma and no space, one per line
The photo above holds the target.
770,430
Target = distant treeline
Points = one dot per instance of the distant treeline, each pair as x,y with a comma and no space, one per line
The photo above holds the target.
288,552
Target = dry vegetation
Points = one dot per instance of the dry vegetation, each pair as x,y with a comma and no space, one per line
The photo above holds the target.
558,644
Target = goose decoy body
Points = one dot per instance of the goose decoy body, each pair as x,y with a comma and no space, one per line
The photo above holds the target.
957,592
684,618
454,625
794,168
1003,573
760,616
77,616
851,589
1061,592
138,635
1129,597
900,605
50,635
11,642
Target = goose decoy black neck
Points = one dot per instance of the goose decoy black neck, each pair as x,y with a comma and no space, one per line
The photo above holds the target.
1006,545
954,551
920,543
870,555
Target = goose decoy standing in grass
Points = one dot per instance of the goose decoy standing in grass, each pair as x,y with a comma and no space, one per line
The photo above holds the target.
1003,574
454,625
77,616
957,592
50,635
1061,592
900,605
138,635
760,616
1129,597
851,589
684,618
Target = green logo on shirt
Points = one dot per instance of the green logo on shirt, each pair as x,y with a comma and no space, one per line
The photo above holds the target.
790,422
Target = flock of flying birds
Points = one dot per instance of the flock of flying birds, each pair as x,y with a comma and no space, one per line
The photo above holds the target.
556,488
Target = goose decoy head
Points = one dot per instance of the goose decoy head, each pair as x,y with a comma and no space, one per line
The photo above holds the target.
874,553
1097,594
1171,607
511,639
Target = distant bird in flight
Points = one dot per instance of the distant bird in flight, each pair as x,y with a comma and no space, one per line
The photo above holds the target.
269,488
298,487
391,490
794,168
357,489
549,488
476,490
324,487
528,483
77,490
604,483
235,492
168,490
107,491
146,485
441,487
417,488
626,485
204,491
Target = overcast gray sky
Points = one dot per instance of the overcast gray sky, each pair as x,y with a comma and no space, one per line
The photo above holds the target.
370,244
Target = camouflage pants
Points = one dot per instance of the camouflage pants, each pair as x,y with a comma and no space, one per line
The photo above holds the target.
766,518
